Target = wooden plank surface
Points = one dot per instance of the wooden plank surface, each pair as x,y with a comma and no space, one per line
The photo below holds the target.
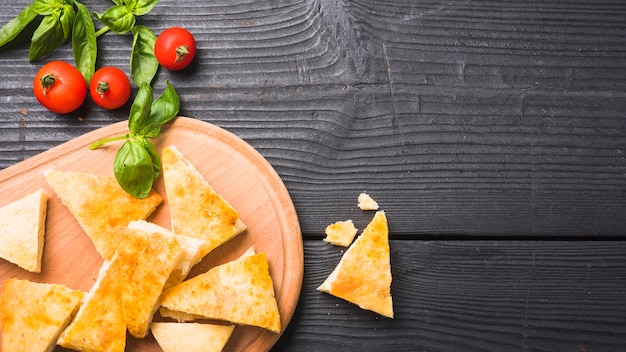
492,133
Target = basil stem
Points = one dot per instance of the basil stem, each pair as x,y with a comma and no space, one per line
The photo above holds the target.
9,31
143,63
84,43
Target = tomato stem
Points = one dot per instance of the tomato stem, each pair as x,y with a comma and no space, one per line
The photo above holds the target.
102,88
181,51
47,82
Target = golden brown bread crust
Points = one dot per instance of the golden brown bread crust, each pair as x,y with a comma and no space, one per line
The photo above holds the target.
240,292
99,325
196,210
363,276
99,205
148,259
340,233
32,315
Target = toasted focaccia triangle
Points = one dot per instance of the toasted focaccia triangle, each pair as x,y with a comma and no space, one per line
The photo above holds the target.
99,205
185,317
191,250
22,230
191,337
363,275
148,258
239,292
32,315
99,324
196,210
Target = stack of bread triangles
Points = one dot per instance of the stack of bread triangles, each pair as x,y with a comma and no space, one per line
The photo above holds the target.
144,267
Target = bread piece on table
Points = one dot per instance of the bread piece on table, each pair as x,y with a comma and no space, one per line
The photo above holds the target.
363,275
196,210
340,233
22,230
99,205
190,256
99,325
191,337
365,202
32,315
148,258
239,292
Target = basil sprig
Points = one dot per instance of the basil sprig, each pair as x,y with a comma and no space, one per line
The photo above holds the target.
61,20
137,163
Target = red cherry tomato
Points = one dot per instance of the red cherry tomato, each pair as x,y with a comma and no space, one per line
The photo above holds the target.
60,87
175,48
109,87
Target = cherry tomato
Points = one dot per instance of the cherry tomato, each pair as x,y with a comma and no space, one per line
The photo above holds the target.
109,87
175,48
60,87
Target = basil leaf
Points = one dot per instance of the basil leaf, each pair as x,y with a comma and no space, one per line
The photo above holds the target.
140,110
46,7
118,18
133,169
9,31
84,43
67,16
142,7
154,155
143,63
47,37
163,110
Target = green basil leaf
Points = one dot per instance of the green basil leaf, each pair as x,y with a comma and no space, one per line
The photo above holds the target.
133,169
46,7
140,110
143,63
47,37
154,155
142,7
84,43
9,31
67,17
118,18
163,110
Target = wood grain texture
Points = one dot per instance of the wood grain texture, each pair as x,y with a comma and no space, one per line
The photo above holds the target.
491,118
478,121
473,296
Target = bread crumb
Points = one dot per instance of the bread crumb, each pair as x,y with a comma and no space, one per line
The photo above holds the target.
366,202
340,233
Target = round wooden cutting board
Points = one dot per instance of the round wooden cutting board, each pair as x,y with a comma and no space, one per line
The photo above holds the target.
235,170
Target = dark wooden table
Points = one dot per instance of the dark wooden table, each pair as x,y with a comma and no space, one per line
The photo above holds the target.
493,133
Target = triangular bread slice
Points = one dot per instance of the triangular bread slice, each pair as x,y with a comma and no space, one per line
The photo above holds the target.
22,230
191,250
191,337
239,292
363,275
99,325
148,259
32,315
99,205
196,210
186,317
